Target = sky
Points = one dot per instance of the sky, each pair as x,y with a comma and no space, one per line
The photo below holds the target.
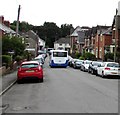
76,12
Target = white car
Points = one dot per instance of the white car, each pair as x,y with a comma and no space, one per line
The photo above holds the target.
109,69
85,65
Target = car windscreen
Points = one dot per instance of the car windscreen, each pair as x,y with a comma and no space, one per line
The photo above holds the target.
59,54
31,65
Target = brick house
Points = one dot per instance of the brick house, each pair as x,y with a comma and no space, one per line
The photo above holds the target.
116,34
105,42
77,40
99,42
5,27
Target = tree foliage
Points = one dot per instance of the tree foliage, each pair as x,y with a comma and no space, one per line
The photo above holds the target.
49,31
89,56
23,26
12,44
109,56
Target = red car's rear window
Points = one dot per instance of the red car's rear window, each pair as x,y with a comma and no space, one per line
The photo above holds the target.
31,65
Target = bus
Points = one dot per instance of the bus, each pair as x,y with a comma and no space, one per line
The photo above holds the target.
58,58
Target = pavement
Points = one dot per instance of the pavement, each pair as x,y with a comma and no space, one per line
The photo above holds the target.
7,81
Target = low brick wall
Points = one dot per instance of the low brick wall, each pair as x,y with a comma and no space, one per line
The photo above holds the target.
2,70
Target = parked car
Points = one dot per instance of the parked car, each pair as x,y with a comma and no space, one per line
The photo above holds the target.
30,70
43,53
72,62
85,65
93,67
109,69
40,60
77,63
41,57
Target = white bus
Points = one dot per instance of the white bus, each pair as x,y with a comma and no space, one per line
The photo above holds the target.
58,58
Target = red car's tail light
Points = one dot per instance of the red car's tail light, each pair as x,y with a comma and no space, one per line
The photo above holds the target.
107,68
40,68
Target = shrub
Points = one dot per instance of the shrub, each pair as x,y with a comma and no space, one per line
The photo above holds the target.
18,58
81,58
6,59
77,54
89,56
109,56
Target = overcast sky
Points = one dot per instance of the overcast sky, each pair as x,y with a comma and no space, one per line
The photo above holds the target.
77,12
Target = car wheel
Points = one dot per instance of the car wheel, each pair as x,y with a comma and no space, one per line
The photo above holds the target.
74,67
41,80
102,74
19,81
84,69
92,72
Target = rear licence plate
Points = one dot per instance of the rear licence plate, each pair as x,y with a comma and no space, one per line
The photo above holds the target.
30,71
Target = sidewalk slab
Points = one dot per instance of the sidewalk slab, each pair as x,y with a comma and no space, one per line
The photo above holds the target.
7,80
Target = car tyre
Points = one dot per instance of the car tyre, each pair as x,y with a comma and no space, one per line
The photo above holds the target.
41,80
19,81
92,72
102,74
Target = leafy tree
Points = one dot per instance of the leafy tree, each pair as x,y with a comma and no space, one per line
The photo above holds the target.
109,56
65,29
23,26
12,44
89,56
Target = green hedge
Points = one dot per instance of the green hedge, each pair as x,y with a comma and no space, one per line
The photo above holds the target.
6,60
18,58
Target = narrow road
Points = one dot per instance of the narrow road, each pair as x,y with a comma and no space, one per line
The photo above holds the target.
64,90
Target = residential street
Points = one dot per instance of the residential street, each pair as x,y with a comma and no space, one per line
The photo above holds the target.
64,90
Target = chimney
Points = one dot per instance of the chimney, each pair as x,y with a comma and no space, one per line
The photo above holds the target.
7,23
2,19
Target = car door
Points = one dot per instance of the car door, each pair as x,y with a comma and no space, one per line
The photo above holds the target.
100,68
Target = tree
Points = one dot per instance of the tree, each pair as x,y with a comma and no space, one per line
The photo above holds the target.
23,26
65,29
109,56
12,44
89,56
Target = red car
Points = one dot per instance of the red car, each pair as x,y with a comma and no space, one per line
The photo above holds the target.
30,70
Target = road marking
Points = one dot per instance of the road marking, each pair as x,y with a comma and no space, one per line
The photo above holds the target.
8,88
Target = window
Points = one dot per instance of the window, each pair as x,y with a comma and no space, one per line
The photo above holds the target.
32,65
59,54
27,44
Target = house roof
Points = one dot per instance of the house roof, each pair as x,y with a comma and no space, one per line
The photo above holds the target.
108,31
32,35
63,40
6,29
75,34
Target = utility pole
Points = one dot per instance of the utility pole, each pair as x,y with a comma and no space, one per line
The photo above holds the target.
17,24
115,36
